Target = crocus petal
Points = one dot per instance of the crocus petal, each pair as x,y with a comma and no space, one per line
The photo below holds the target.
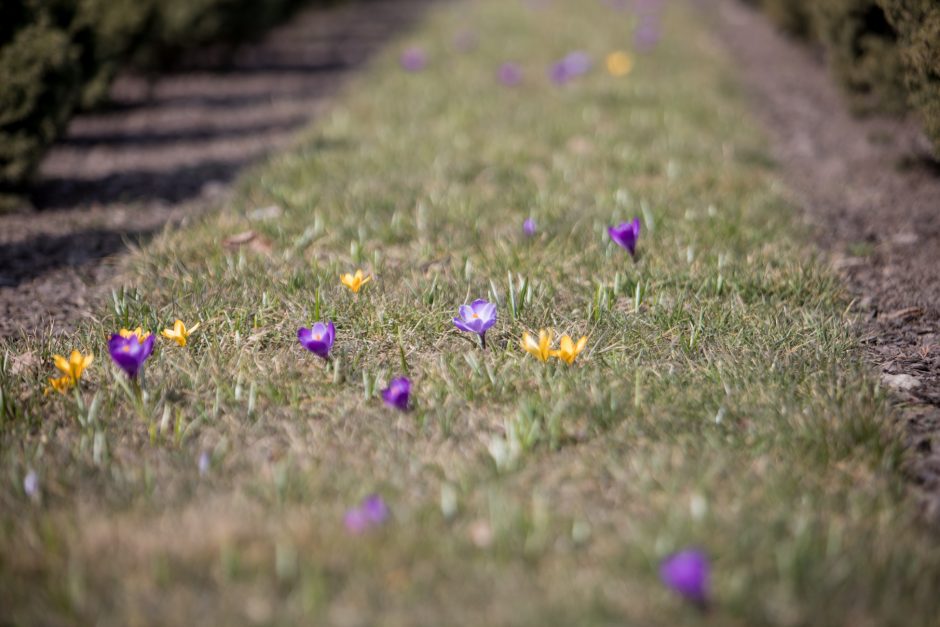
318,339
319,348
148,346
466,312
460,324
62,364
125,352
75,364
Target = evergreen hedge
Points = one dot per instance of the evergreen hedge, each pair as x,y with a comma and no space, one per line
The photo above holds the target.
862,48
793,16
884,53
57,56
41,79
918,25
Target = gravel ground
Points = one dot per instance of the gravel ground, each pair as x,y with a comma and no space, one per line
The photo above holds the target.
872,193
168,149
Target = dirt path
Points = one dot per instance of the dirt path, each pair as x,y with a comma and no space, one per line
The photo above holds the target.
873,195
154,158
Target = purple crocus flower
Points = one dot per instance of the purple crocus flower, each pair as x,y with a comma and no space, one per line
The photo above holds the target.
687,573
413,59
575,64
31,484
647,34
476,317
129,350
371,512
318,339
529,227
626,235
398,393
559,73
204,463
578,63
510,74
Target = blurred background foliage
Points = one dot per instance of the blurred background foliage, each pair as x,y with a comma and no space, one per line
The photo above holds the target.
60,56
884,53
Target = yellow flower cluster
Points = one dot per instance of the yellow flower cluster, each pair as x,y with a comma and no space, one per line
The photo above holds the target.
71,369
541,349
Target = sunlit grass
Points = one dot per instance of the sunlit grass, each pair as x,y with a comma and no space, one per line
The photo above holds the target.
720,401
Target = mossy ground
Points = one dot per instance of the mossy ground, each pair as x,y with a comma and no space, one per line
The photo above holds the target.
721,401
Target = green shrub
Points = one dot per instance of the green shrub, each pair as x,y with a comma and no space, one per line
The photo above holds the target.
106,32
793,16
918,25
181,25
41,81
57,55
862,47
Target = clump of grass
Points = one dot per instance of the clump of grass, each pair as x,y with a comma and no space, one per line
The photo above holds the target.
720,401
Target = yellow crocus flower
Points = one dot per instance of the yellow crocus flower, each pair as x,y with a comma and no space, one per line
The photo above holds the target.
141,335
540,349
568,351
355,281
61,385
74,366
179,333
619,63
71,368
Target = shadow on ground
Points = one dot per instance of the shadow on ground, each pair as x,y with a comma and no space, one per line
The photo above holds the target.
165,147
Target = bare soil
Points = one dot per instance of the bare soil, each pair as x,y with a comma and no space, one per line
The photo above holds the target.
872,193
169,148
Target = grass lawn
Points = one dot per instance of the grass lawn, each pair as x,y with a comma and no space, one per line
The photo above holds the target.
720,403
